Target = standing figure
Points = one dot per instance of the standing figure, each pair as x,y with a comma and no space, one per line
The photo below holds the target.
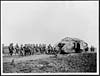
31,50
44,49
21,50
11,48
60,45
86,49
77,47
55,51
92,48
16,49
37,49
26,50
49,49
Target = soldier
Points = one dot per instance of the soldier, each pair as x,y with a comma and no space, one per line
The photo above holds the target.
40,48
37,48
11,48
46,50
60,45
34,49
49,49
86,49
43,49
27,50
77,47
55,51
16,49
31,49
21,50
92,48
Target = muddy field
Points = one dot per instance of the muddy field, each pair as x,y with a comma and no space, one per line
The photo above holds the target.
82,62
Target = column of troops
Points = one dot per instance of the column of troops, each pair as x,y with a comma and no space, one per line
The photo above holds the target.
31,49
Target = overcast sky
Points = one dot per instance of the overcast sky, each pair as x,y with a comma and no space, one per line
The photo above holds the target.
49,22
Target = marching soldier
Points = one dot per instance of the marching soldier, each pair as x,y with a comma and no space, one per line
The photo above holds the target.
16,49
49,49
21,50
92,48
77,47
11,48
60,45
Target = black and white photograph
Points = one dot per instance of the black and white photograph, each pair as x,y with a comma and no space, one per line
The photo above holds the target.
49,37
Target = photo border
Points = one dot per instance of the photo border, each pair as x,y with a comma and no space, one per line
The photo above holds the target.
8,74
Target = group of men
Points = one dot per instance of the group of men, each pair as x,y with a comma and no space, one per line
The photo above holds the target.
31,49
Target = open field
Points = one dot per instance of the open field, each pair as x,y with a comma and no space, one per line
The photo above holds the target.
80,62
24,58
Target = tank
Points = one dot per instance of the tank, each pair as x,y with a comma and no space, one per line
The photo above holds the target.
69,45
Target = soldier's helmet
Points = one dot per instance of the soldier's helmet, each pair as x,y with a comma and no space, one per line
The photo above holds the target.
11,44
21,45
25,45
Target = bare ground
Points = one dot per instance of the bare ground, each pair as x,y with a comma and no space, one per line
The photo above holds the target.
23,58
85,62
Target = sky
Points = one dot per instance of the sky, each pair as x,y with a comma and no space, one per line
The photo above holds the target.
49,21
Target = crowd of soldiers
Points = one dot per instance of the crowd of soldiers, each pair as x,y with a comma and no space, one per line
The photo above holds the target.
31,49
